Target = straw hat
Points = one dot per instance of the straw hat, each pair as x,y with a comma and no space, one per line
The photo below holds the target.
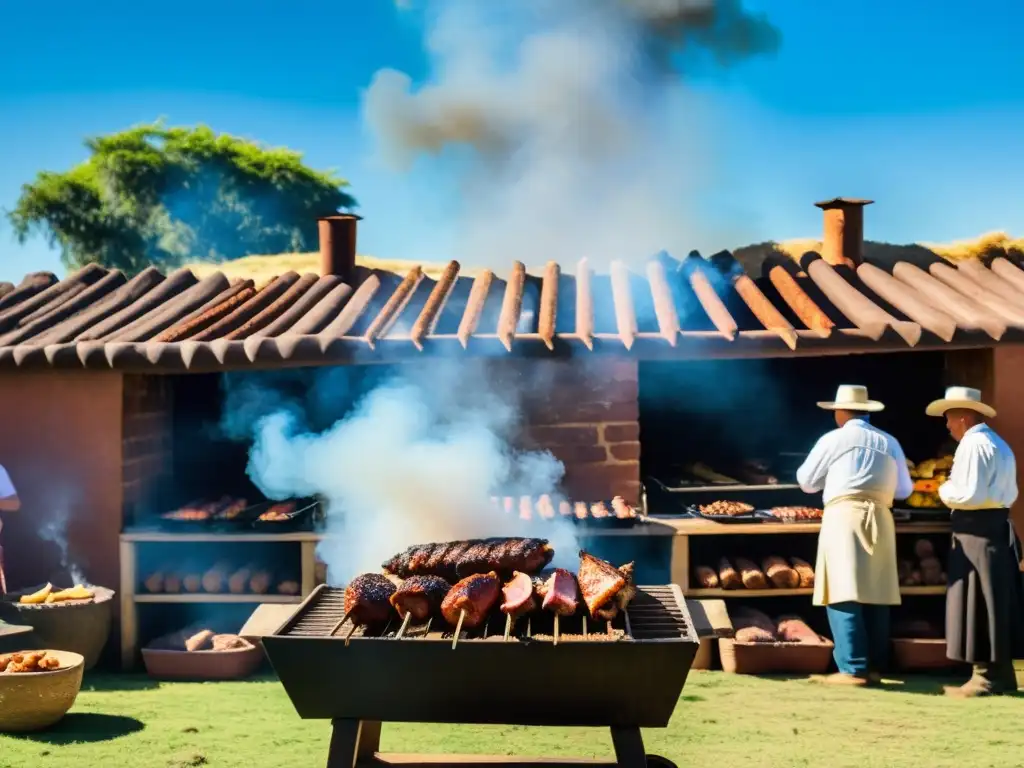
960,397
852,397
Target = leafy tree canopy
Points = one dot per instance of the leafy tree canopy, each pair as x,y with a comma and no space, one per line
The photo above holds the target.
159,195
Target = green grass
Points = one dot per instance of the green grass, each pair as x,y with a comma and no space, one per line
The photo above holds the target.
721,720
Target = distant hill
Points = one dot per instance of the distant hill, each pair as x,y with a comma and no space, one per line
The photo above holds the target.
262,268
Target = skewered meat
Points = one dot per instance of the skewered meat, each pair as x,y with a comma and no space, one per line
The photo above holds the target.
367,599
464,558
518,594
622,598
421,596
792,514
560,593
475,595
725,509
600,582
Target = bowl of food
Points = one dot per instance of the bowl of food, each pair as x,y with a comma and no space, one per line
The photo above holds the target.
37,688
202,655
76,620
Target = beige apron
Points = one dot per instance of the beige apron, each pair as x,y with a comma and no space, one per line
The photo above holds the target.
856,554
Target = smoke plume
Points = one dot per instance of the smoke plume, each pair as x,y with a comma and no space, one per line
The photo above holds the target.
417,459
55,530
567,120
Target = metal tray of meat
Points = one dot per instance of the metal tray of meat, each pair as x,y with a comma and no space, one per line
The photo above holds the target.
757,516
215,521
611,520
299,518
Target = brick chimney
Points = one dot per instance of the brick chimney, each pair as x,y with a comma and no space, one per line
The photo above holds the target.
843,238
338,245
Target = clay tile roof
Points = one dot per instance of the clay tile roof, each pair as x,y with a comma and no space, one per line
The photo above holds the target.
693,307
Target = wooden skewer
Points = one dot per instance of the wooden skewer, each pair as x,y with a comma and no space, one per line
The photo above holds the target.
584,625
426,630
609,627
508,626
338,625
458,628
405,625
629,629
556,630
529,627
350,633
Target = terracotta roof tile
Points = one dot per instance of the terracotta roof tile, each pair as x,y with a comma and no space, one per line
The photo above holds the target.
695,307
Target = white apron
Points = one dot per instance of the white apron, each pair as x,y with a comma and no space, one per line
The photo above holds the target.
856,554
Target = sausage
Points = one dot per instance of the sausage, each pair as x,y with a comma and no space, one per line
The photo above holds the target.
154,583
213,580
260,582
172,583
804,571
793,629
192,582
239,581
752,576
289,587
706,577
779,573
727,575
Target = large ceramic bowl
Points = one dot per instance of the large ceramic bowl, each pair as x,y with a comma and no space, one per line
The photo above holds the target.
233,664
77,626
33,701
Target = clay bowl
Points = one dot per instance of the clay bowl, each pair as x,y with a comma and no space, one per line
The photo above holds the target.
233,664
77,626
33,701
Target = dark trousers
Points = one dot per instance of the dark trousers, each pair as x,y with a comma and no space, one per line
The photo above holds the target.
861,636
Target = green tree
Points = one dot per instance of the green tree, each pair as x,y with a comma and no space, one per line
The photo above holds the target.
162,196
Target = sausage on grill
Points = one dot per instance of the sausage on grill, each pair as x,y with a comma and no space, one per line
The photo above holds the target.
368,599
420,596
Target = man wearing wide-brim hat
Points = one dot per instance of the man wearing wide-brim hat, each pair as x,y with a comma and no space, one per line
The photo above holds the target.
860,470
985,598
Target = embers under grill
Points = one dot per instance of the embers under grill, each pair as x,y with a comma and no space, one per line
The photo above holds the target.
656,613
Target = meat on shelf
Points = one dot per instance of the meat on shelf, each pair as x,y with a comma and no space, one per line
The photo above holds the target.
221,579
193,640
726,509
795,514
546,508
742,573
457,559
754,626
924,569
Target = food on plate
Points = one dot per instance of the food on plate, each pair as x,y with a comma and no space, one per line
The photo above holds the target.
238,582
28,661
793,629
77,592
560,592
368,599
779,573
154,583
456,559
260,582
37,598
752,626
199,640
471,599
606,589
804,571
420,596
751,575
193,582
727,575
725,509
706,474
791,514
278,513
518,596
214,579
289,587
706,577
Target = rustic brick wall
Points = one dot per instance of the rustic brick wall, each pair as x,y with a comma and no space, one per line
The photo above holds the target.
146,437
586,412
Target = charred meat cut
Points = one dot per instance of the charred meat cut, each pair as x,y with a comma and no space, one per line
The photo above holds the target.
560,593
457,559
518,594
420,596
605,588
368,599
475,595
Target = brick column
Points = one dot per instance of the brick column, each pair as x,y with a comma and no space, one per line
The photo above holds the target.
147,437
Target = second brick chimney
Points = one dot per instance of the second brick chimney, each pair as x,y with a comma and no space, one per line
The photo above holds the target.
843,237
338,245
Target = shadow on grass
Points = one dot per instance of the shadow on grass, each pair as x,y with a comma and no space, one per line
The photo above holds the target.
84,728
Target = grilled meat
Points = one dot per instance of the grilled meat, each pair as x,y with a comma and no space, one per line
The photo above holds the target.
457,559
518,593
601,583
726,509
475,595
560,593
367,599
421,596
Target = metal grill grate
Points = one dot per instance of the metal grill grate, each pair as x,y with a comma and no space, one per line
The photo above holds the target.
654,614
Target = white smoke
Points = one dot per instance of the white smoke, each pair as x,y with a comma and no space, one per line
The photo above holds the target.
417,460
565,122
56,530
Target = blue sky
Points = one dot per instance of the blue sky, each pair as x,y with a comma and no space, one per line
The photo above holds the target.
915,104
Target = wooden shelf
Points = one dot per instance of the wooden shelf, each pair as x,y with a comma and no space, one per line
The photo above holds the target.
939,590
190,537
730,488
792,592
206,598
689,526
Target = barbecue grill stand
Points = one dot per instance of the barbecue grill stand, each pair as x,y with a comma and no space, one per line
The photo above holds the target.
355,744
631,681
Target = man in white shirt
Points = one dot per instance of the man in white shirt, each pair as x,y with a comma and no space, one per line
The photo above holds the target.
9,502
985,597
860,469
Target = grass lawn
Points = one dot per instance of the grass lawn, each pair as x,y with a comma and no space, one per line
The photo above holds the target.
721,720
